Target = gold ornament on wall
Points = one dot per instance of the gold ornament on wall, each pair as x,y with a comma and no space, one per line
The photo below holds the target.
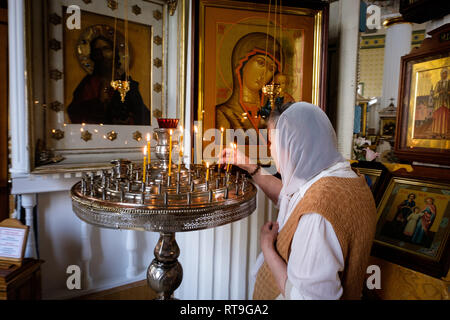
122,86
55,19
111,136
157,15
136,10
137,136
55,74
57,134
157,40
172,5
86,135
157,87
157,62
112,4
54,44
56,106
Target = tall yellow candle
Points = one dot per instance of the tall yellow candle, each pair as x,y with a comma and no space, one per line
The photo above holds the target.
170,152
144,165
149,150
221,144
207,171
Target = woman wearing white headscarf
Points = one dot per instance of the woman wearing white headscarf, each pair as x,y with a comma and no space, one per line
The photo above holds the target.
319,246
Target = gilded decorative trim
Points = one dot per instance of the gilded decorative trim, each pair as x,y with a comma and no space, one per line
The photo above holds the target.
157,62
55,74
56,106
136,10
137,136
317,58
172,6
54,44
395,20
157,40
157,15
57,134
86,135
111,136
55,19
157,87
112,4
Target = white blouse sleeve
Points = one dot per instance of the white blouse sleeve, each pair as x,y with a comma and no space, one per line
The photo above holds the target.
314,262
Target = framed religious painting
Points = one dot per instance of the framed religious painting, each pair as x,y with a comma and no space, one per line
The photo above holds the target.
245,46
99,78
413,224
423,117
376,175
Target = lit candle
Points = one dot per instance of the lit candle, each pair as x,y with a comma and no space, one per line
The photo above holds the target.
144,165
207,171
149,150
170,152
221,144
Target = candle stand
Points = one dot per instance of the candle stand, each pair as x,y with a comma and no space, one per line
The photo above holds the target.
184,201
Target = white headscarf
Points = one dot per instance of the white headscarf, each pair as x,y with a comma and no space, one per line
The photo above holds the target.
305,145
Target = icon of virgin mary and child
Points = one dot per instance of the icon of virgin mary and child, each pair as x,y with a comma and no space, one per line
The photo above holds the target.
256,61
415,222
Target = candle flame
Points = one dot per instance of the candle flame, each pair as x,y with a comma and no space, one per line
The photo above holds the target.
195,129
148,136
221,129
207,165
170,131
145,151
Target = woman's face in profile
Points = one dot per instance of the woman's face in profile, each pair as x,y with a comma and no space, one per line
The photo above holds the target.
257,72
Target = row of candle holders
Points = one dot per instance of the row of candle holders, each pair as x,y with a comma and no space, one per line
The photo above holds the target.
196,185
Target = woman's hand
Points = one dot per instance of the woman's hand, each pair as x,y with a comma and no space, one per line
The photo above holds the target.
269,234
239,159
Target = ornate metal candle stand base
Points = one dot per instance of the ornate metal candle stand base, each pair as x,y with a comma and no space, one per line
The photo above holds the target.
184,201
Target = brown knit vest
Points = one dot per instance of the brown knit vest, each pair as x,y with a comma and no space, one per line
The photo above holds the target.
348,205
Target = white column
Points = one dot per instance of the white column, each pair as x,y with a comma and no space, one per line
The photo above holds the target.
131,246
348,50
28,203
86,254
18,111
397,43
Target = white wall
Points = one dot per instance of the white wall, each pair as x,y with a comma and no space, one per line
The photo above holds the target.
61,245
